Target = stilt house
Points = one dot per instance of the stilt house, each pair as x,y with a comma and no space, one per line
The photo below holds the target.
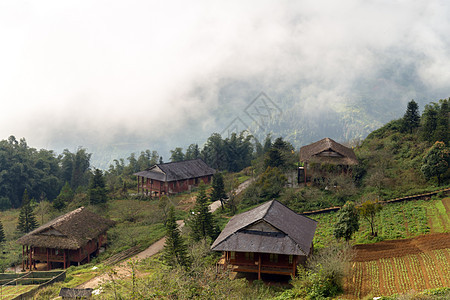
324,152
173,177
69,239
269,239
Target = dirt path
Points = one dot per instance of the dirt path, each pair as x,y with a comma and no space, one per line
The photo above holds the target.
123,269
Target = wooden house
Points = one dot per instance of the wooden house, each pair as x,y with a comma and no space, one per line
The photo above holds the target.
69,239
269,239
324,152
173,177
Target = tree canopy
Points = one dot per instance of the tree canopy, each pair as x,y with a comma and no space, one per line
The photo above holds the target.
27,220
202,221
411,119
436,161
175,250
347,222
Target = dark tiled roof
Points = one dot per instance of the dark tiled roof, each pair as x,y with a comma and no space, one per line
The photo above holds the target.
70,231
310,152
294,236
180,170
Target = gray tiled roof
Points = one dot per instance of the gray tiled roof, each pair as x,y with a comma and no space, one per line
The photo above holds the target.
294,236
180,170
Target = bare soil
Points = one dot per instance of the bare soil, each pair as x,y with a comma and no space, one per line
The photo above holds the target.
397,248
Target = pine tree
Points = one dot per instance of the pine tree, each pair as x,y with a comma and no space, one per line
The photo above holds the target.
97,188
65,196
411,119
202,221
27,220
436,162
175,250
2,234
347,222
218,192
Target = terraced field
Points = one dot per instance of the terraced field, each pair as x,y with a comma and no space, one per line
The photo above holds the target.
395,221
404,265
12,291
400,266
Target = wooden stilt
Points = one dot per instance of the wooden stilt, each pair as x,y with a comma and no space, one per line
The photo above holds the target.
259,266
23,257
31,258
65,266
294,265
48,262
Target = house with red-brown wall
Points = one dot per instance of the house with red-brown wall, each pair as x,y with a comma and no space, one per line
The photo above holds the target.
69,239
173,177
269,239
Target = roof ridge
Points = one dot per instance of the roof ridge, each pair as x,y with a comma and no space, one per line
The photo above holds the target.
180,161
267,210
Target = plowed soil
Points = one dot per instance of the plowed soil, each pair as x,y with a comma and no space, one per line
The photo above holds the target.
397,248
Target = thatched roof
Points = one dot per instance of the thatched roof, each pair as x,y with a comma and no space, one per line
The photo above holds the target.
180,170
321,150
269,228
70,231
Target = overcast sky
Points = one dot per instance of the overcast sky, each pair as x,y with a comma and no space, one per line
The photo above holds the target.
94,69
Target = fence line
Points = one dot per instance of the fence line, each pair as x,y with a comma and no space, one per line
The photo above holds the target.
406,198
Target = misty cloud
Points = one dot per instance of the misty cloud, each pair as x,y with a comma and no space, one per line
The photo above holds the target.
169,73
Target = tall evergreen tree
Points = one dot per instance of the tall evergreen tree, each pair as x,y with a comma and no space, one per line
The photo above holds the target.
177,154
411,119
65,196
175,250
97,188
202,221
436,162
429,121
2,234
218,192
347,222
442,132
27,220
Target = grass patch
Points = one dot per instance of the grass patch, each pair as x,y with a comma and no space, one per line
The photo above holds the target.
395,221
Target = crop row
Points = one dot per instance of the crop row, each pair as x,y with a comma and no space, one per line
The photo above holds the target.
356,284
396,220
387,273
430,266
403,279
373,275
443,263
11,291
400,274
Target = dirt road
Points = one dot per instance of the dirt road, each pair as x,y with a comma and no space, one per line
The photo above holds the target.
123,269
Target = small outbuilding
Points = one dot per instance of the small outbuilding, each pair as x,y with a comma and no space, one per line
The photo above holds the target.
173,177
69,293
269,239
70,238
324,152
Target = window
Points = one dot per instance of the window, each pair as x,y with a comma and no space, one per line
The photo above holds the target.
233,255
273,257
249,256
290,259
